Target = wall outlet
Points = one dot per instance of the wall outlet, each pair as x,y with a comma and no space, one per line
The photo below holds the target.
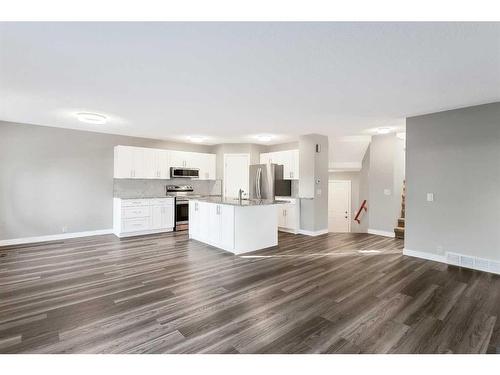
430,197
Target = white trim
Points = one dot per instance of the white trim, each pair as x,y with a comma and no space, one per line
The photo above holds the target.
313,233
224,170
346,166
142,232
423,255
381,233
54,237
349,204
479,264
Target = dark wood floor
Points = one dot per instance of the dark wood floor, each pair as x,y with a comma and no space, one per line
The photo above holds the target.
167,294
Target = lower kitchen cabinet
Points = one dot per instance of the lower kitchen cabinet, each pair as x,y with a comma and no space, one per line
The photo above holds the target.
134,217
237,229
288,215
212,223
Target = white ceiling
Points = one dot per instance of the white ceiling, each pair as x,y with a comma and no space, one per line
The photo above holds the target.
231,81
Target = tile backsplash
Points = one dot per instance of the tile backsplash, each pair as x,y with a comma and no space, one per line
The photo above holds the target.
136,188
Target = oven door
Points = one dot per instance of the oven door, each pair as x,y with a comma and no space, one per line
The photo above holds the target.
181,214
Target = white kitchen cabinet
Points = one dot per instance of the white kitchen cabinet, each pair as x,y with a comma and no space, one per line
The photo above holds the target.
218,224
150,163
162,216
207,166
288,158
194,220
163,164
288,215
134,217
233,228
178,159
129,162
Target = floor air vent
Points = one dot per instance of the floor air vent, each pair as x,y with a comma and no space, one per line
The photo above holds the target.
475,263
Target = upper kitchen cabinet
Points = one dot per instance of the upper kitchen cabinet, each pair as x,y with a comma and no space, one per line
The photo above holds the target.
289,159
130,162
150,163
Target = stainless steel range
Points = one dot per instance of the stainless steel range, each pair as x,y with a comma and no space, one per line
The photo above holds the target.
181,193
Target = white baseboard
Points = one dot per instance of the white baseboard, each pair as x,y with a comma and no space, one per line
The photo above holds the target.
381,233
459,260
423,255
54,237
313,233
143,232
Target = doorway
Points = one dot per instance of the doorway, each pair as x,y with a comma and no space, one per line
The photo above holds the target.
339,206
236,174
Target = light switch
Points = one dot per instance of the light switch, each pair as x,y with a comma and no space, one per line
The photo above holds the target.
387,192
430,197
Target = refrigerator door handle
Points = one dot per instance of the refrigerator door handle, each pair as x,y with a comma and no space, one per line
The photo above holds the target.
257,183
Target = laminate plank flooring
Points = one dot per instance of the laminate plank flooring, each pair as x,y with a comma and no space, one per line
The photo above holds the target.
335,293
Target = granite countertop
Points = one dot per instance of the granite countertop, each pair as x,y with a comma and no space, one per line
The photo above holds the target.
236,202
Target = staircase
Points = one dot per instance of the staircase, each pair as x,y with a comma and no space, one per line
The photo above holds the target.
399,231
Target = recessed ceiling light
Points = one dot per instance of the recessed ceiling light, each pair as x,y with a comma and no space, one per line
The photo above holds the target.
196,139
264,137
91,118
384,130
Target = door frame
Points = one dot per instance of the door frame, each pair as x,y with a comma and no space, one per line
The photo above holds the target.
349,198
224,169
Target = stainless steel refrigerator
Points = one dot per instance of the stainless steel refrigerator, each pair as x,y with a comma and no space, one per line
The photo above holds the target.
264,179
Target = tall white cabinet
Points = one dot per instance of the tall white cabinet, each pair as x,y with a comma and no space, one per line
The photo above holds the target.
150,163
289,159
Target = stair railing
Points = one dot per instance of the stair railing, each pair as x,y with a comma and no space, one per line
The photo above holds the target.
363,207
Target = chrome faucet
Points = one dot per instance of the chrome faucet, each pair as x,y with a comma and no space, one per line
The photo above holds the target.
240,193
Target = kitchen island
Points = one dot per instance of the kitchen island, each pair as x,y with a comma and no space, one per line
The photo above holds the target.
237,226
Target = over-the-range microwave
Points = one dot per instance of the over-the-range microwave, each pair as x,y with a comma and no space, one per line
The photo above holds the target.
181,172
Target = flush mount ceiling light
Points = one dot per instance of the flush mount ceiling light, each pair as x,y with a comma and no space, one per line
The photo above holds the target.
196,139
384,130
264,137
91,118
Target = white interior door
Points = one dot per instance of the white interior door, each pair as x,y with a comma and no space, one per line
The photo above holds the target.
339,206
236,174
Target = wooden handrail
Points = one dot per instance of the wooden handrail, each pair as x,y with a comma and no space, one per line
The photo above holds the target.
363,205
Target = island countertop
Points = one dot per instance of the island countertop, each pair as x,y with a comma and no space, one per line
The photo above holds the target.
237,202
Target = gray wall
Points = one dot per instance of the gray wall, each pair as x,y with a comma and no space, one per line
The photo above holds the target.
354,178
314,196
386,173
364,191
455,155
52,178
